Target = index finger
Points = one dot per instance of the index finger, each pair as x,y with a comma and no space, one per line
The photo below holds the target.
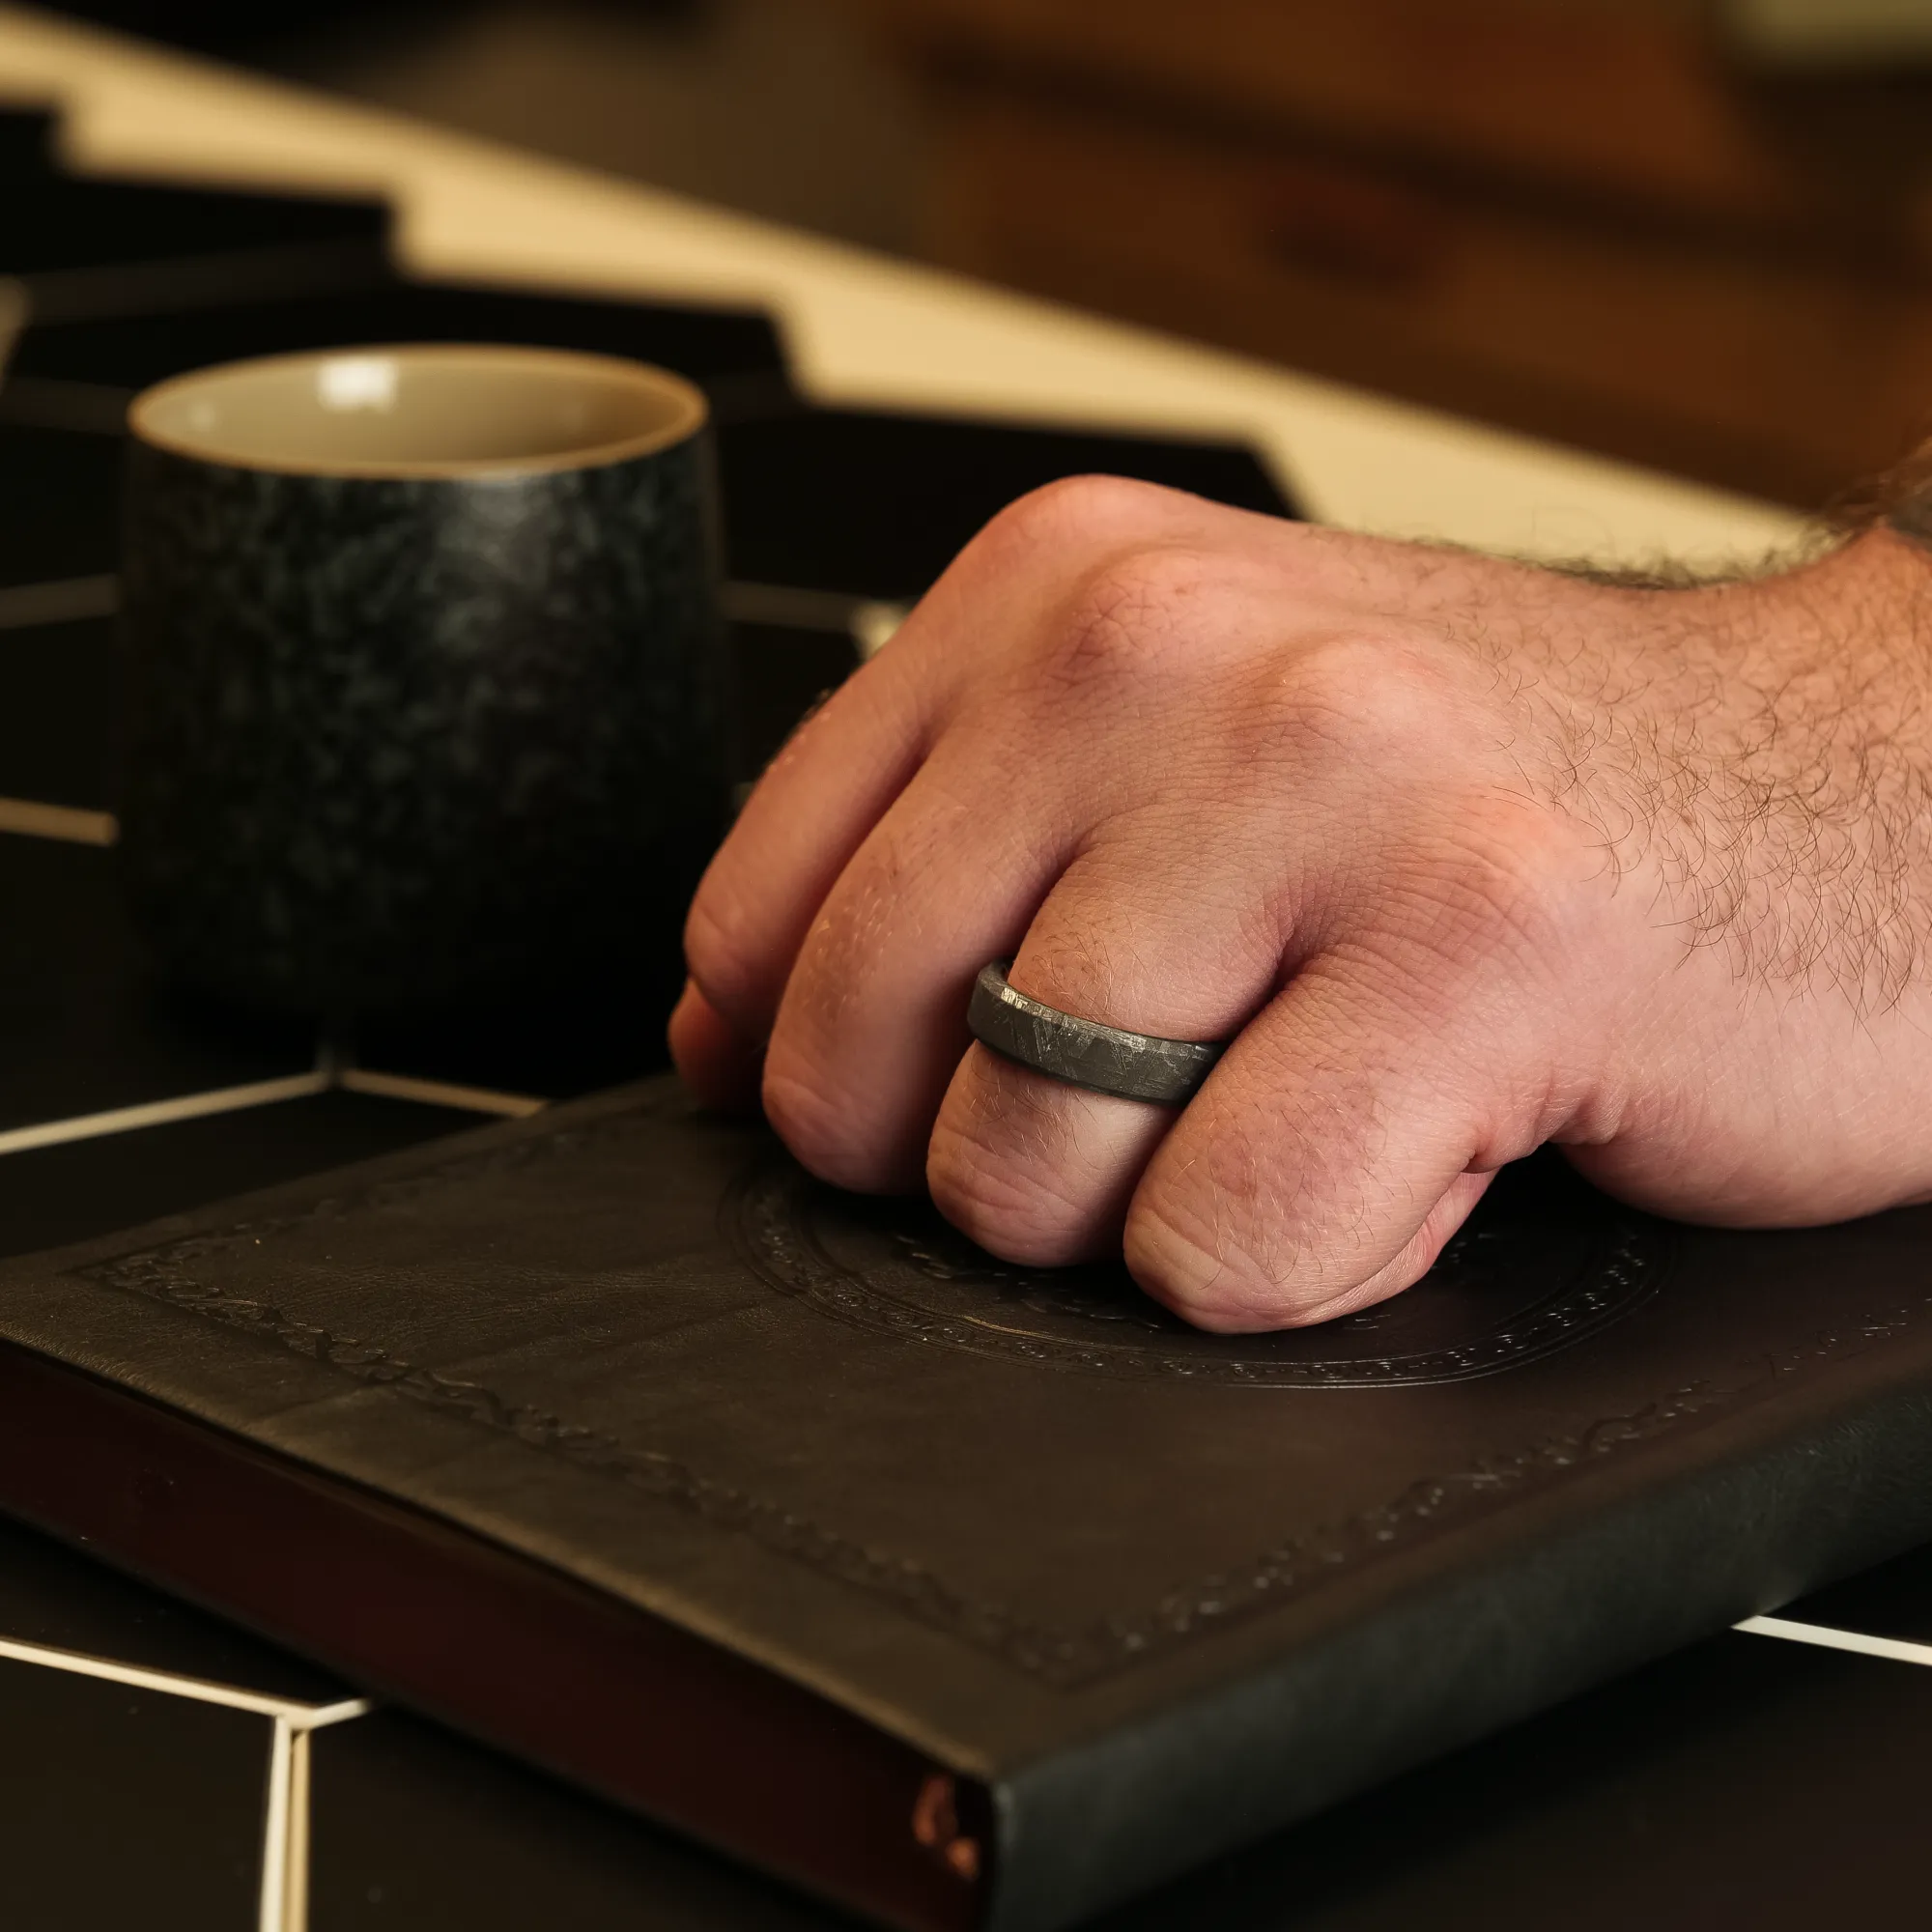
844,767
808,813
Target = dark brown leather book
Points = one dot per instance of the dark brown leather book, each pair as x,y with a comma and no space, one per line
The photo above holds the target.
966,1595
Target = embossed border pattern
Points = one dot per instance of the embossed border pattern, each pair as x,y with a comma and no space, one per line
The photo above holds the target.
771,1217
1067,1659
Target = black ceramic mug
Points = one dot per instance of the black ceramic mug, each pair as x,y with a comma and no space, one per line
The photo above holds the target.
426,674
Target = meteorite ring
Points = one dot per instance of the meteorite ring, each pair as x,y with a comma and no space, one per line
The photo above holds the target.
1108,1059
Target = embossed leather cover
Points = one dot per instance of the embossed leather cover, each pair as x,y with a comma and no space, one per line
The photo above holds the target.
968,1595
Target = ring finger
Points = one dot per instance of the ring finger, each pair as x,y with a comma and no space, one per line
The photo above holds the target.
1140,932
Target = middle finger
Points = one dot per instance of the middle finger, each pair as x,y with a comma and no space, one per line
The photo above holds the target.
872,1020
1144,931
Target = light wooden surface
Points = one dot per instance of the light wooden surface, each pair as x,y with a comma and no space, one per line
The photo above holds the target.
862,329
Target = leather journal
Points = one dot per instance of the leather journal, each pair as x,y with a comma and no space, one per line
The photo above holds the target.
963,1594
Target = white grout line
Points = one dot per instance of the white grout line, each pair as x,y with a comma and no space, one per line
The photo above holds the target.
873,625
786,605
198,1689
438,1093
62,599
1895,1650
307,1717
869,621
285,1824
327,1076
159,1113
294,1860
285,1832
64,822
273,1915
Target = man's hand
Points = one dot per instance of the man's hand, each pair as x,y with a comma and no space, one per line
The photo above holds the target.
1464,857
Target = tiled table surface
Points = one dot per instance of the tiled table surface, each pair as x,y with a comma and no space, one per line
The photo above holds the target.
158,1768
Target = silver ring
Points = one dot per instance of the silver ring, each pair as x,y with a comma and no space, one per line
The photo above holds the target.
1108,1059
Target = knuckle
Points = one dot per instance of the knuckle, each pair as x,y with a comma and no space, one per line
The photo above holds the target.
1515,868
1347,713
1077,510
1374,700
1499,884
1122,620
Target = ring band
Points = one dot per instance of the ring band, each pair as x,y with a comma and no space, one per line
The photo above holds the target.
1108,1059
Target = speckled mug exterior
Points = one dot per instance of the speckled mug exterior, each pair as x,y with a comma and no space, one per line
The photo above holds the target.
404,739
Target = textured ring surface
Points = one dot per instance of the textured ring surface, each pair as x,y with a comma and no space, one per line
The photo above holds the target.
1109,1059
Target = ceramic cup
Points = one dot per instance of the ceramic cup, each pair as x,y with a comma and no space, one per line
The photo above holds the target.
424,672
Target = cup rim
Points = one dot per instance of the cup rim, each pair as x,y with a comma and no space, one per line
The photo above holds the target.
692,412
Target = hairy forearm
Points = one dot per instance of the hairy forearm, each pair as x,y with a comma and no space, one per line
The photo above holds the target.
1759,754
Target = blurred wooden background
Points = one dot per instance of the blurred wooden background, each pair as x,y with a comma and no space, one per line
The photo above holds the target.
1696,233
1609,221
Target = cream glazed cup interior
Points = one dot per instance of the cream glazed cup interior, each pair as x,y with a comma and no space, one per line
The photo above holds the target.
429,409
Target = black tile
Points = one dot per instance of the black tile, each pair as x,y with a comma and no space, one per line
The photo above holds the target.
79,1189
63,222
84,1027
122,1807
1746,1782
414,1829
549,1041
55,1596
60,497
723,347
26,148
1894,1600
779,674
58,709
878,504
